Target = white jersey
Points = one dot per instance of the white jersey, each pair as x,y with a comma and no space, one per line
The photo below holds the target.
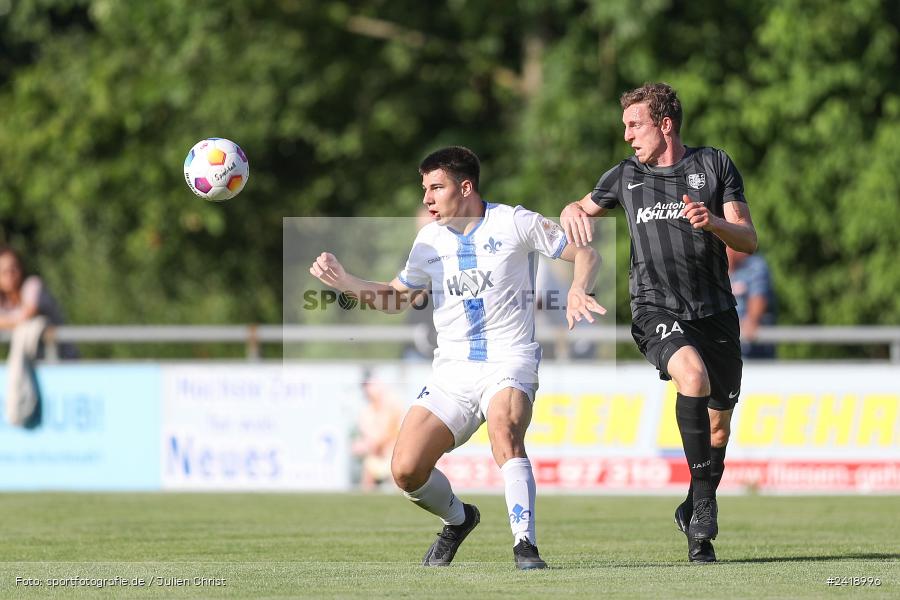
483,282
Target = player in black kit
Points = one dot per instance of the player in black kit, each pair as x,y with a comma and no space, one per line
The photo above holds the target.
683,206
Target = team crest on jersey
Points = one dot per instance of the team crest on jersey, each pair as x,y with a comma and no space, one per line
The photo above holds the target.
552,230
696,180
493,245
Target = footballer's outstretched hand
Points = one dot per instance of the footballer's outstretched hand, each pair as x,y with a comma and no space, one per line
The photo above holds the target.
328,269
577,224
579,305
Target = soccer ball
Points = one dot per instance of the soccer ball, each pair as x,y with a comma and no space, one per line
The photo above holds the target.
216,169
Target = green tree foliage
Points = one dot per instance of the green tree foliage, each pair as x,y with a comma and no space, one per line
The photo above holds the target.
330,105
803,95
335,102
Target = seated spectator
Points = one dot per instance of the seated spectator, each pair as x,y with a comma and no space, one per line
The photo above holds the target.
377,427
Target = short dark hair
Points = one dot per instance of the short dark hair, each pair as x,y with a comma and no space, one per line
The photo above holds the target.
459,162
660,98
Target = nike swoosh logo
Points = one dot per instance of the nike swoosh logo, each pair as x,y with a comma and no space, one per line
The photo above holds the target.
733,395
631,186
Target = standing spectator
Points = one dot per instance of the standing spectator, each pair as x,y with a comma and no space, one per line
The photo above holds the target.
752,287
21,297
26,308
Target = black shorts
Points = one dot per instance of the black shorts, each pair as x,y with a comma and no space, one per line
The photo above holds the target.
716,338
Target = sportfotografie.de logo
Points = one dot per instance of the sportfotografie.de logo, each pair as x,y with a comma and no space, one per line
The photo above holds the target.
547,300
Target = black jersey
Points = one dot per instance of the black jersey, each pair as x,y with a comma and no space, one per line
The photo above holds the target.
674,267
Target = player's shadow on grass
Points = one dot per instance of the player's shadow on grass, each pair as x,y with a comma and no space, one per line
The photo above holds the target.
850,556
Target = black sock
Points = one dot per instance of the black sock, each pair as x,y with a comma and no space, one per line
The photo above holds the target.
716,469
717,466
693,424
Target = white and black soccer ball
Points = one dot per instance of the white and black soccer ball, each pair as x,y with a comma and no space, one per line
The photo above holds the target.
216,169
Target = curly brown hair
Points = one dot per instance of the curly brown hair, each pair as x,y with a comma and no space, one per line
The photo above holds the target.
660,98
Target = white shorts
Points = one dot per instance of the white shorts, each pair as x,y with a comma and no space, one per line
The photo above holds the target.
459,391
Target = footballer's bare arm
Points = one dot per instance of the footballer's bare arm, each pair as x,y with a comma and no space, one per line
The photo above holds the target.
393,297
735,229
576,220
579,302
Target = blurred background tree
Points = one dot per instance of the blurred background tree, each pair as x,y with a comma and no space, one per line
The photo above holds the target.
335,103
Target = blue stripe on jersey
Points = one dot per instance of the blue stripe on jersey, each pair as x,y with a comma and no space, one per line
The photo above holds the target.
474,307
465,252
476,317
562,246
410,284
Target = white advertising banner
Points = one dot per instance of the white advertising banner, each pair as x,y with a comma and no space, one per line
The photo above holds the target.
252,427
798,427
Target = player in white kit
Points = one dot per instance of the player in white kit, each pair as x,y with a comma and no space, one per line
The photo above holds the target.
480,260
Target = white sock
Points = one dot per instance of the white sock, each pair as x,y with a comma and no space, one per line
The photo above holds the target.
438,498
520,493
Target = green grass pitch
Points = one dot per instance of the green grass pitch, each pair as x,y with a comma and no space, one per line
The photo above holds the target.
330,546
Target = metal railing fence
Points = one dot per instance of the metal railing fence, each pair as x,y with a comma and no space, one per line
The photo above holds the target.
253,336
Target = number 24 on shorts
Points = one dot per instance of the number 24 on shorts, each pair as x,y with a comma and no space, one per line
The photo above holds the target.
666,333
